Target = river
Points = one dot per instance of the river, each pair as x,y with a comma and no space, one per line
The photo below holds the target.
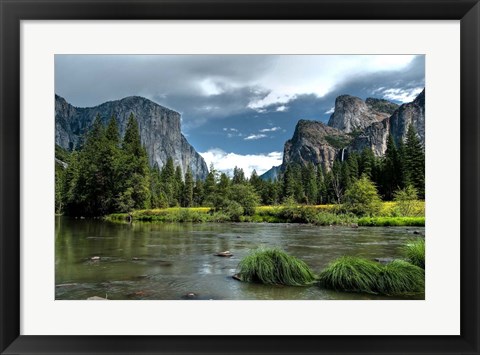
170,261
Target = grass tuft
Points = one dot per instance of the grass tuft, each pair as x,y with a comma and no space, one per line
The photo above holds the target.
351,274
400,277
274,267
414,252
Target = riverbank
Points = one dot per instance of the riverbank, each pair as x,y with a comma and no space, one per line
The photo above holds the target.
321,215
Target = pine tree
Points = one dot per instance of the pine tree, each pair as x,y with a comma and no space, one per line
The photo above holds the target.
256,182
367,163
112,164
223,184
321,188
352,162
210,185
415,161
188,189
391,174
309,179
289,182
88,184
112,133
198,193
178,186
238,176
167,177
158,197
134,170
337,185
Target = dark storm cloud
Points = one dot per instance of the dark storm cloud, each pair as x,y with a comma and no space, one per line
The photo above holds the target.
88,80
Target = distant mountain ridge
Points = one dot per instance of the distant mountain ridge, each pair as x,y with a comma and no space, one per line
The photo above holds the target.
354,126
159,128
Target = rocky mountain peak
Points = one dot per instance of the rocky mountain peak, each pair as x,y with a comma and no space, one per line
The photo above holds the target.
375,136
352,114
314,142
159,128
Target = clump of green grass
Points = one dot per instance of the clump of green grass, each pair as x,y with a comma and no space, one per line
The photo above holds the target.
400,277
391,221
274,267
351,274
414,252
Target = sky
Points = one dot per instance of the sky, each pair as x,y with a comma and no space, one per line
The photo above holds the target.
238,110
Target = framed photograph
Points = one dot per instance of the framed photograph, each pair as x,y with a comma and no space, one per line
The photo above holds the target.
239,177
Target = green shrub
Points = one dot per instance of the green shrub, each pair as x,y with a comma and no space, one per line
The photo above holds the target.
362,198
234,211
351,274
414,252
274,267
330,219
245,196
400,277
407,203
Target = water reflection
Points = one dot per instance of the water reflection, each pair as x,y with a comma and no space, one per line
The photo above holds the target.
168,261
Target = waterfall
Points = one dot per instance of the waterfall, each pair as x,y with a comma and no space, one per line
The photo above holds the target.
343,151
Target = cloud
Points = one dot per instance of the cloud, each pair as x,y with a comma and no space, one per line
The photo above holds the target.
402,95
254,137
273,129
205,87
226,162
330,111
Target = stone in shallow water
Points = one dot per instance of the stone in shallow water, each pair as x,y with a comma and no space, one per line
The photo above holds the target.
225,254
96,298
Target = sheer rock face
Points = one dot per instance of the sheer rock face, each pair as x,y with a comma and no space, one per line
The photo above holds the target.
352,114
314,142
410,113
159,129
375,136
321,144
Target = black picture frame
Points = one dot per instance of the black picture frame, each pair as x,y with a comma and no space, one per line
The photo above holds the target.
12,12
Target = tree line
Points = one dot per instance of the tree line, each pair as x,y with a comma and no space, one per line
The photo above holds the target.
111,174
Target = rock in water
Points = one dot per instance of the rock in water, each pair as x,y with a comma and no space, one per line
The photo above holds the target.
225,253
159,129
96,298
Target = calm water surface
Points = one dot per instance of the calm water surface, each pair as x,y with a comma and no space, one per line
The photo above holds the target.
168,261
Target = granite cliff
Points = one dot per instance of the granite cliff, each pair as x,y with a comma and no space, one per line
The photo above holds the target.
375,136
354,126
159,129
352,114
314,142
